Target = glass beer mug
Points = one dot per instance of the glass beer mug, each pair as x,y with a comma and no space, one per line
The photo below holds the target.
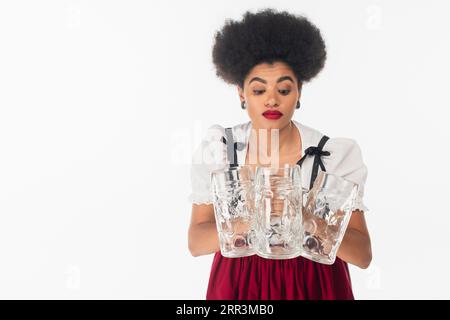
326,215
278,217
233,195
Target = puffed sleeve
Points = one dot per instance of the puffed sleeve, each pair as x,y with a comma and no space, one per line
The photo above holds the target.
345,160
208,156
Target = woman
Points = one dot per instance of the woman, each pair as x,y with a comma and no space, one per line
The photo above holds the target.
269,55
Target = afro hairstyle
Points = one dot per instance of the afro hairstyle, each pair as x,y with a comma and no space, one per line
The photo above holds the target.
268,36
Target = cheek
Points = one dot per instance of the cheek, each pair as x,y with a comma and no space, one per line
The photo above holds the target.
254,105
291,108
253,112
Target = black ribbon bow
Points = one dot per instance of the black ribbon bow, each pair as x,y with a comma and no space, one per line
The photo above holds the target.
237,145
232,147
317,152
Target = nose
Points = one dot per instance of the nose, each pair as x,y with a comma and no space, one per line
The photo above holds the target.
271,102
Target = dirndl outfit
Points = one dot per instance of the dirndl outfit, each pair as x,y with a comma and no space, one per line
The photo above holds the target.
257,278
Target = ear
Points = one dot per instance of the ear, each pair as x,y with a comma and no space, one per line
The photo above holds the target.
241,93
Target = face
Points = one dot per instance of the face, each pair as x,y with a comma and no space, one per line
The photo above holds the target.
270,93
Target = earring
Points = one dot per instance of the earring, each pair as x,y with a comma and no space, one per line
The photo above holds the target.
243,105
298,105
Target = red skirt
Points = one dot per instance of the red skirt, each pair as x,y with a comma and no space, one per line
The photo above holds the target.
257,278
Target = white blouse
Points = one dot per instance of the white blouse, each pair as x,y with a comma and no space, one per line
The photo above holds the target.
345,159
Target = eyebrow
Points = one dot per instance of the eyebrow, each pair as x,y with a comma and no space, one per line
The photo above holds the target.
279,80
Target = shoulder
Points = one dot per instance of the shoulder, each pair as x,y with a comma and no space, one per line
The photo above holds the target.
342,147
212,148
345,158
216,131
309,135
242,127
207,148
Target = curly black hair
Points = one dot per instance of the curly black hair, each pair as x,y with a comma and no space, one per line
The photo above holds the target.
266,37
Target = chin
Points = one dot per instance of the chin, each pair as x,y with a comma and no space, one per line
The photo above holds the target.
273,126
276,124
261,122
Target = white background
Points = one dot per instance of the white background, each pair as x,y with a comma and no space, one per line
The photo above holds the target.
103,102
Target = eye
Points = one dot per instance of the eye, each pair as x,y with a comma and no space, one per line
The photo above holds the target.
257,92
284,92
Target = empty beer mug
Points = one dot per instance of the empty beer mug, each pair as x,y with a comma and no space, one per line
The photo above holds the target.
233,194
278,205
326,215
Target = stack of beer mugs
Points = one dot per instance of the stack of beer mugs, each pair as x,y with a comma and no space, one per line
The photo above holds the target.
269,214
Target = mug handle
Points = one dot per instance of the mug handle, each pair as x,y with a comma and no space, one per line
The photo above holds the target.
305,193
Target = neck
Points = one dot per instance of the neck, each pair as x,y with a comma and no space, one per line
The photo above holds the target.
272,142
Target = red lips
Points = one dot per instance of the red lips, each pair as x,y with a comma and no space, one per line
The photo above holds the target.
272,114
